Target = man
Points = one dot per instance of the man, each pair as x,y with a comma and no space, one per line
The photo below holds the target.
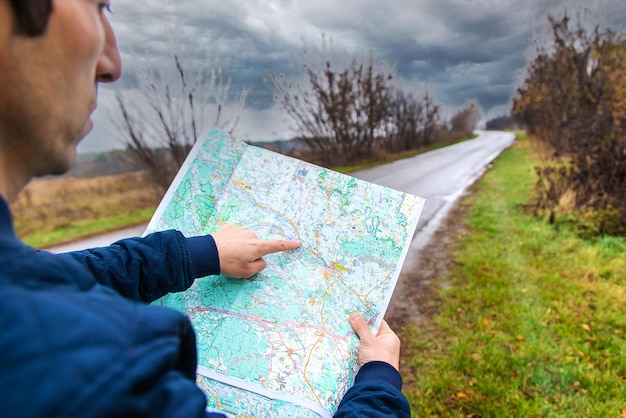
77,338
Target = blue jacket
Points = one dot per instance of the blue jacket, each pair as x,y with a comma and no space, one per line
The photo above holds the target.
78,339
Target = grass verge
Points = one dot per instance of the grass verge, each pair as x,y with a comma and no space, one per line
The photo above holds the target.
87,228
531,320
60,210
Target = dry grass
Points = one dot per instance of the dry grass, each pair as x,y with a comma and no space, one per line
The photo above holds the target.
543,150
50,205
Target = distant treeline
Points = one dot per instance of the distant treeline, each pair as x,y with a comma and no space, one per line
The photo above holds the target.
504,122
103,164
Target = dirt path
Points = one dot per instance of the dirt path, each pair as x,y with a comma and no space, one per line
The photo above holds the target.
414,294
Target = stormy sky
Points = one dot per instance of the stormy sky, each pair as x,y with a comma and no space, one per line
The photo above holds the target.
457,50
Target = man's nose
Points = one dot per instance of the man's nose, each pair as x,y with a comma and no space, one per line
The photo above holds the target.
109,67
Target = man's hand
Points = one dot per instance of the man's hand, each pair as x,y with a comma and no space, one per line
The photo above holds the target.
384,346
241,252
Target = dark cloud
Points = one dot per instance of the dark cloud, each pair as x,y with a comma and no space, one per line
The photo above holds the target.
459,50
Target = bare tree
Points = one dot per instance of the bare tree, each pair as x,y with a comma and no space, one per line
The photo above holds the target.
413,122
342,113
406,120
161,119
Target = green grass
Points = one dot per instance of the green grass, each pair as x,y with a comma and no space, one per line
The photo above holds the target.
83,229
531,320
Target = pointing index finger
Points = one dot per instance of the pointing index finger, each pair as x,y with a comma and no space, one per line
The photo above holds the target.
275,246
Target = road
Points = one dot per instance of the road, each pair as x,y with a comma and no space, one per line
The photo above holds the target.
440,177
100,240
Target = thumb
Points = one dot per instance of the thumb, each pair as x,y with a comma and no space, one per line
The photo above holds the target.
384,328
360,327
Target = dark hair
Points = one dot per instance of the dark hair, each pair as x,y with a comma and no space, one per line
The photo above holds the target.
31,16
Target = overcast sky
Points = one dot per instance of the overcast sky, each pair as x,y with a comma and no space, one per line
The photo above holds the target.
458,50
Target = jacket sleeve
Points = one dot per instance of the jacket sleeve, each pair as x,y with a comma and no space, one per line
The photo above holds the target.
72,353
147,268
376,393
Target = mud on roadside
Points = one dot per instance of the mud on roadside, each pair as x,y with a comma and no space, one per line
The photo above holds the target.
414,298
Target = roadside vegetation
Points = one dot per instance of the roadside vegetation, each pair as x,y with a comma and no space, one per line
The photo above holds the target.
345,113
573,101
530,321
55,211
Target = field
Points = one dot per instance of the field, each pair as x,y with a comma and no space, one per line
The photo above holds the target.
528,321
53,211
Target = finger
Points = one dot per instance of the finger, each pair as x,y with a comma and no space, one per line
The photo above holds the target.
360,327
256,266
269,247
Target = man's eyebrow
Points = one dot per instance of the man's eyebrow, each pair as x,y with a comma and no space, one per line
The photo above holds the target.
106,5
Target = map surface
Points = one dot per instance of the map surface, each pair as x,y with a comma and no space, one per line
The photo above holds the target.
280,344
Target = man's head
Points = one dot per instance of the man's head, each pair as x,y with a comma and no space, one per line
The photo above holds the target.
52,56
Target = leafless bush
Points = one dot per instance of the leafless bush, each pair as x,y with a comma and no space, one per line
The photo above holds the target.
160,120
342,112
463,123
352,112
413,122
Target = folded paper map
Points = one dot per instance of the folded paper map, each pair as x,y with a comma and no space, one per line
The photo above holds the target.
280,344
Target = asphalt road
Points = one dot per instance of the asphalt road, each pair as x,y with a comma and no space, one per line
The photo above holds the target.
440,176
100,240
